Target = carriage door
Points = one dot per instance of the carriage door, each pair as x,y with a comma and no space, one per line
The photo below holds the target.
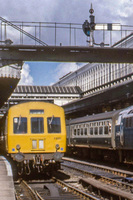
119,132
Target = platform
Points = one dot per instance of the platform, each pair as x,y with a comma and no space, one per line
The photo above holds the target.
7,191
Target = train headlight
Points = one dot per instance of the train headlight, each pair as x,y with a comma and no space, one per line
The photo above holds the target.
18,147
57,146
34,144
41,144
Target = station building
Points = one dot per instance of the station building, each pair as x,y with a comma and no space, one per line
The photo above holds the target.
54,94
98,76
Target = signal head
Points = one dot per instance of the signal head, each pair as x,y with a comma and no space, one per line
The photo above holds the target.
86,28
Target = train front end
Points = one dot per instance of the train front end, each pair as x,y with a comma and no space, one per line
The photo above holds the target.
36,136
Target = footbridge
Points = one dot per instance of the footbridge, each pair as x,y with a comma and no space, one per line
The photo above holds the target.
10,54
62,42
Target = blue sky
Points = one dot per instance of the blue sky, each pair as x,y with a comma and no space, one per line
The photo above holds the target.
44,70
71,11
45,73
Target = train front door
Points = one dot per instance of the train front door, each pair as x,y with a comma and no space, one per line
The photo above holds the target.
119,134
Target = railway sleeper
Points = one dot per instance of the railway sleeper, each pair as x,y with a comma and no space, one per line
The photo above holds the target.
104,190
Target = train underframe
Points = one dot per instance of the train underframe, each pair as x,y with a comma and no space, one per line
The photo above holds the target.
37,163
111,155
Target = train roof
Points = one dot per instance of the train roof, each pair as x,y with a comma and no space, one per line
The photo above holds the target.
127,111
94,117
35,102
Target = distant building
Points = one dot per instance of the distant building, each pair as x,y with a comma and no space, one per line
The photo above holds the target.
56,95
97,76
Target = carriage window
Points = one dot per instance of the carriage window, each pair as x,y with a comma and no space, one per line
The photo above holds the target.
100,130
100,123
85,131
91,131
20,125
96,130
81,131
105,123
106,130
37,125
54,124
78,131
74,131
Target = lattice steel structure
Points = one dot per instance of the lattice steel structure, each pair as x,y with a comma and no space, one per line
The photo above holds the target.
94,77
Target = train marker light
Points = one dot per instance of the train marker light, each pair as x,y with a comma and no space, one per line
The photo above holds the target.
57,146
18,147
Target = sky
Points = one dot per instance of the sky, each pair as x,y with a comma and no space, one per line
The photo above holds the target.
61,11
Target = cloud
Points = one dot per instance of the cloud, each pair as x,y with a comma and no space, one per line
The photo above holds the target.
64,68
26,78
64,11
70,11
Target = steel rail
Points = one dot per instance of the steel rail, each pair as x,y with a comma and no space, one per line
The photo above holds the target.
104,179
29,190
76,191
122,173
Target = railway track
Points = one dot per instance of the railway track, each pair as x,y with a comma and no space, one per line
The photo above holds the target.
53,189
78,180
46,190
102,180
24,191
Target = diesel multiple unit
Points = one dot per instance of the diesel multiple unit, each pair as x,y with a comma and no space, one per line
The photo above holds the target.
35,136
